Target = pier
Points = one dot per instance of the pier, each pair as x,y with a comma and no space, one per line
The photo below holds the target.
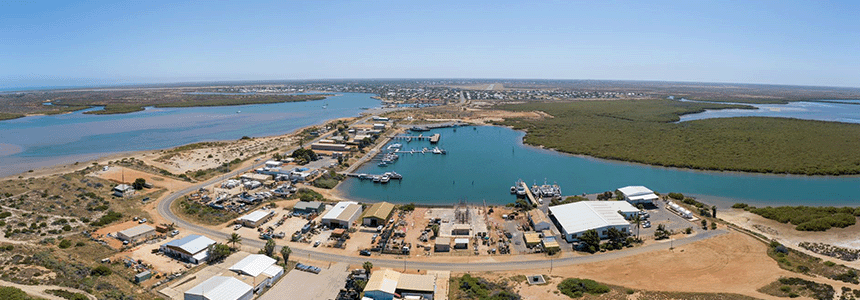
432,138
529,194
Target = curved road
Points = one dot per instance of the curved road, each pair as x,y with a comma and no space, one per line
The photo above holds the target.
163,209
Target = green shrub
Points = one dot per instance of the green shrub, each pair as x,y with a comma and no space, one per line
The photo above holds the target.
575,287
676,196
807,218
740,205
101,270
65,244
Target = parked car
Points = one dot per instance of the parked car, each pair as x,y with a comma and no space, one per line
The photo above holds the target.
317,243
364,252
237,226
646,224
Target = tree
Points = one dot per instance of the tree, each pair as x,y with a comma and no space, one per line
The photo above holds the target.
704,224
591,239
138,183
269,248
219,252
638,221
234,239
367,267
714,211
285,252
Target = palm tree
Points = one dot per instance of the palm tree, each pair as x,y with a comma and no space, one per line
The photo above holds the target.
234,239
367,266
285,252
637,220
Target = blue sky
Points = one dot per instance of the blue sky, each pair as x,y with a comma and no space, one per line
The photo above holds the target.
73,43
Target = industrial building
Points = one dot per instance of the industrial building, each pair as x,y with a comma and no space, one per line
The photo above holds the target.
138,232
574,219
624,208
331,147
638,194
193,248
220,288
309,207
260,269
385,284
123,190
442,244
255,218
531,239
377,214
539,220
342,215
461,243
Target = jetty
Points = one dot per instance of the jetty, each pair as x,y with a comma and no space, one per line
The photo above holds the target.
432,138
434,126
529,194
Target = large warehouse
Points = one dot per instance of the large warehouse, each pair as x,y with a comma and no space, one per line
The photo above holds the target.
377,214
263,269
255,218
193,248
638,194
574,219
220,288
342,215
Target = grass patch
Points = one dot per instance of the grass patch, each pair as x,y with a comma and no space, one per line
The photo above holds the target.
200,213
810,218
800,262
575,287
328,180
644,131
468,287
793,287
13,293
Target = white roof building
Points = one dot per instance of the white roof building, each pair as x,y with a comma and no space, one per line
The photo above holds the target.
384,284
253,265
193,248
342,215
638,194
255,218
573,219
220,288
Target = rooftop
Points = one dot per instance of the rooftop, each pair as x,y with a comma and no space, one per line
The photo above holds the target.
388,281
342,211
137,230
192,244
635,190
221,288
586,215
379,210
255,216
304,205
253,264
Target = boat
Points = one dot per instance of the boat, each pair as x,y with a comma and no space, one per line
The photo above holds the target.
376,178
238,111
325,106
382,164
384,178
437,151
513,189
521,189
362,176
394,175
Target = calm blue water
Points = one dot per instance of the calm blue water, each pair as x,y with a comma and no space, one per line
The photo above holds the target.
482,164
32,142
822,111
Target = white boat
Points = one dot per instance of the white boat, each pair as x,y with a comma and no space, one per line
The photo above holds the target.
384,178
437,151
376,178
394,175
513,189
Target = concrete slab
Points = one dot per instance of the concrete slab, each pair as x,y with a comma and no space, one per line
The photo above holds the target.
297,284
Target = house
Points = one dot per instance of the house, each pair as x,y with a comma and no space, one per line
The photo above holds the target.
193,248
342,215
263,269
387,284
377,214
255,218
123,190
539,220
378,126
574,219
442,244
309,207
220,288
638,194
139,232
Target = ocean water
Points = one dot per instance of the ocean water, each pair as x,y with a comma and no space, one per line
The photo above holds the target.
38,141
483,162
827,110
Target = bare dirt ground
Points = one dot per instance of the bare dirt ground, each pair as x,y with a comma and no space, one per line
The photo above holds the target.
40,290
112,229
848,237
159,262
127,175
730,263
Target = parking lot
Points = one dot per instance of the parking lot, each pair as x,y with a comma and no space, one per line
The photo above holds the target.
296,284
659,215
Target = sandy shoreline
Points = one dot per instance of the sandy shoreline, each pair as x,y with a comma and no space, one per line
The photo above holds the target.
9,149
